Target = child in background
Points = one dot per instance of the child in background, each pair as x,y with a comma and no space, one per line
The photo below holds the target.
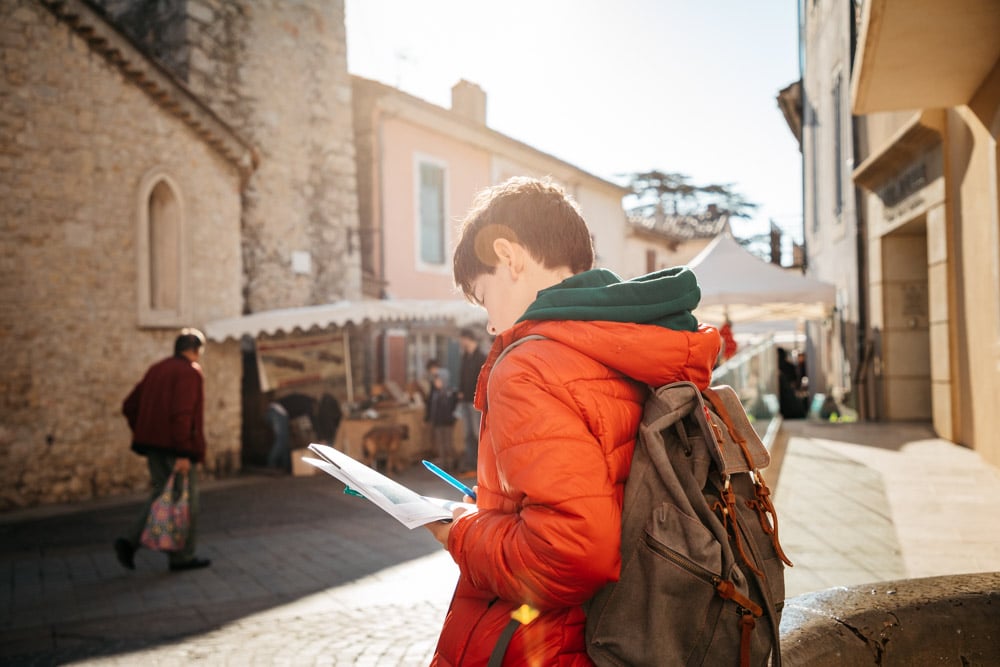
440,414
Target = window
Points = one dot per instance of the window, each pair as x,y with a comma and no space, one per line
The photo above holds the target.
160,244
431,212
812,179
164,253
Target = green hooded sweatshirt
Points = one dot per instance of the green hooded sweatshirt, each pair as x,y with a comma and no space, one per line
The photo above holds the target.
664,298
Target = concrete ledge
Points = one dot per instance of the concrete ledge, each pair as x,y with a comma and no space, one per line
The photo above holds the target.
952,620
775,440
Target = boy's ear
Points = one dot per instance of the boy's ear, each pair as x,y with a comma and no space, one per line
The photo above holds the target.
510,254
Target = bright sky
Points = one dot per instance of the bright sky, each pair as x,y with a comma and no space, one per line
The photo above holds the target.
683,86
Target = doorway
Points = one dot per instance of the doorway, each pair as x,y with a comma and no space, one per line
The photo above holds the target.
906,349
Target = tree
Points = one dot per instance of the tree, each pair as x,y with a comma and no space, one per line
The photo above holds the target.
657,194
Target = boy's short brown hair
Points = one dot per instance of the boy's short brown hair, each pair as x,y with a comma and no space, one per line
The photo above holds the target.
534,213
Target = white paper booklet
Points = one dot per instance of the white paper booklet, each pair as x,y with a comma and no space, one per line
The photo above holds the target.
402,503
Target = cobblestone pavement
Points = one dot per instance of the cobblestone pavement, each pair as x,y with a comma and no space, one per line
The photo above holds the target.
305,575
301,574
863,503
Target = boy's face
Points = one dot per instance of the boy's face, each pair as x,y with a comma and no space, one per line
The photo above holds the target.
502,299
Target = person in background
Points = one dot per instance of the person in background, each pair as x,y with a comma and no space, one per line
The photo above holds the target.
328,417
279,458
789,403
471,363
560,416
729,345
165,412
439,413
295,406
800,370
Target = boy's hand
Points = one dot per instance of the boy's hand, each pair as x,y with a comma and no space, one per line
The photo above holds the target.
182,465
442,529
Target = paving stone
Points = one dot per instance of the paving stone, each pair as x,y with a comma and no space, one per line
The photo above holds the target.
303,575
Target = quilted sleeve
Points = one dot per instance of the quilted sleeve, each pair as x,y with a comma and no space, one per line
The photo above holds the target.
553,538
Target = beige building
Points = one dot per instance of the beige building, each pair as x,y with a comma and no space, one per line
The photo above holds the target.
275,71
120,196
161,165
818,111
926,91
656,244
897,116
419,168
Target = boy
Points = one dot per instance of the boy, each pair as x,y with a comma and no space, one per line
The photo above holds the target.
559,420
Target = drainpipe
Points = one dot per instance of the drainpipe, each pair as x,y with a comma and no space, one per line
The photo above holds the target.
862,378
802,135
380,190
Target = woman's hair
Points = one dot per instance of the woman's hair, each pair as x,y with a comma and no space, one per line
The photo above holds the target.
537,214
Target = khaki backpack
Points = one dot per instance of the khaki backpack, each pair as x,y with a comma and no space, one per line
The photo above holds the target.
702,579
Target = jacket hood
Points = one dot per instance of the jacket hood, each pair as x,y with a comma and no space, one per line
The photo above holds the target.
642,328
651,354
664,298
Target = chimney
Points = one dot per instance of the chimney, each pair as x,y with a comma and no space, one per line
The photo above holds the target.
469,100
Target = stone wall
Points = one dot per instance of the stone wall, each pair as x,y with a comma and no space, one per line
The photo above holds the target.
302,198
275,71
366,145
77,139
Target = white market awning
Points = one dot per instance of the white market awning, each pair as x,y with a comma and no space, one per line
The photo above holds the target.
738,285
306,318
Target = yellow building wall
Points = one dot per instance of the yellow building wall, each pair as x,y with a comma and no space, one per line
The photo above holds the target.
973,169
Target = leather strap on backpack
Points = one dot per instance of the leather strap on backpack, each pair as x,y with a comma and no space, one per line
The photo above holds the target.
762,505
751,611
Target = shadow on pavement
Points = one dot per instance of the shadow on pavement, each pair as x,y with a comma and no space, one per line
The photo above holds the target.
871,434
272,540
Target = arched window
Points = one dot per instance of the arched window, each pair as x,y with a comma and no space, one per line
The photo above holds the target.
164,253
161,261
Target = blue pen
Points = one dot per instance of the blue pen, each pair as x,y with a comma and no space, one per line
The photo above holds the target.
451,480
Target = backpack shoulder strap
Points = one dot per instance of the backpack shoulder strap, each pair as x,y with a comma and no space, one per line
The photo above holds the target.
510,348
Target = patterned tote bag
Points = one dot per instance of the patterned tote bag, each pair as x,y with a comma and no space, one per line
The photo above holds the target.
169,518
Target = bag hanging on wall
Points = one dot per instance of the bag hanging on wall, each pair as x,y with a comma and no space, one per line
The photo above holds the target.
169,518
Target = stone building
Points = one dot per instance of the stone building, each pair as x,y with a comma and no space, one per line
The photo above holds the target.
900,117
926,90
161,165
275,71
821,120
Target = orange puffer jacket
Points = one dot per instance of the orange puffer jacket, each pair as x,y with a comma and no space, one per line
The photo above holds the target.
557,434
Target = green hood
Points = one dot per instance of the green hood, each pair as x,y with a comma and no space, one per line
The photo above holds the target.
664,298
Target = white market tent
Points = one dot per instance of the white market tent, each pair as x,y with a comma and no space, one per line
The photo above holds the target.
307,319
738,285
339,313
